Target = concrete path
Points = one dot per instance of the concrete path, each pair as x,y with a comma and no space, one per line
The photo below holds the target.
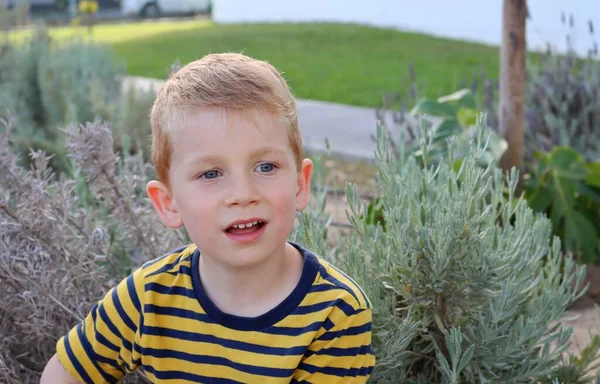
347,128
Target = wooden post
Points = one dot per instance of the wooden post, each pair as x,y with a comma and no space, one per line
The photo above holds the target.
512,84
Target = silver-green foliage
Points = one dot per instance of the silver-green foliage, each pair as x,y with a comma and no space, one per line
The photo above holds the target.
48,85
466,282
56,84
77,83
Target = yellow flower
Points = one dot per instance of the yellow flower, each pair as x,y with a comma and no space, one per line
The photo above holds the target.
88,6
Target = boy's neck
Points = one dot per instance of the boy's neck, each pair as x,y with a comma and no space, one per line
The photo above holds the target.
252,292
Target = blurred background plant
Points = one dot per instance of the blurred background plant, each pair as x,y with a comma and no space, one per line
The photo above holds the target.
450,116
47,85
562,143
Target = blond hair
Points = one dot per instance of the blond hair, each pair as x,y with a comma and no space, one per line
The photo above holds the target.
230,81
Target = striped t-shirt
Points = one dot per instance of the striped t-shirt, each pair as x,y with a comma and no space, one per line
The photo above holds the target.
160,320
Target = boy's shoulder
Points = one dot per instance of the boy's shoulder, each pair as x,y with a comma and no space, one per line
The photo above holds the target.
332,277
169,261
170,269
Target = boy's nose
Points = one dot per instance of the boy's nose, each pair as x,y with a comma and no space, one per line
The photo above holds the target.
242,192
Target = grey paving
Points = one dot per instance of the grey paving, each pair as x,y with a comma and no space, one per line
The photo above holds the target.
348,129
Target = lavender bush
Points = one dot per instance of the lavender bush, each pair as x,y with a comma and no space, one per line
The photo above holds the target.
562,100
65,241
467,285
563,105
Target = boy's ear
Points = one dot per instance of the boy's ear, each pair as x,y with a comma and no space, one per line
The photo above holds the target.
303,191
164,204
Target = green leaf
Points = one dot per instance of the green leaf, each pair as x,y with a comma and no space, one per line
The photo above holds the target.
541,199
568,163
593,177
375,212
457,164
467,116
558,212
433,108
579,229
461,98
447,128
559,188
464,360
589,191
453,341
589,354
444,366
543,163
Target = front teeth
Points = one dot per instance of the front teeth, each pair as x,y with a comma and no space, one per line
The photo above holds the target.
246,225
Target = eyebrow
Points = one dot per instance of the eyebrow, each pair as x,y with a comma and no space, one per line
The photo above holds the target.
276,151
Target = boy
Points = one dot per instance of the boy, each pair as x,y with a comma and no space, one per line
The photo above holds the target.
241,304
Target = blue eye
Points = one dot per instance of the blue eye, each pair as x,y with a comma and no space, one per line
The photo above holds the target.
266,167
213,174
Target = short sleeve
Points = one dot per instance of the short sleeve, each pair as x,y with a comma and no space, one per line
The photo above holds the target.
106,344
342,354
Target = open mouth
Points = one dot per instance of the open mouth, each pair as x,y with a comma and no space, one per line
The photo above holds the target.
241,229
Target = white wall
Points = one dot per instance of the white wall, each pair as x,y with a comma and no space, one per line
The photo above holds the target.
477,20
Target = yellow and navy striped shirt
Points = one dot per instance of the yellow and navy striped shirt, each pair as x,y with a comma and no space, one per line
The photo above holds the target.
160,320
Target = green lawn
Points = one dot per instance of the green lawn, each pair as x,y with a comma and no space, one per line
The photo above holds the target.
332,62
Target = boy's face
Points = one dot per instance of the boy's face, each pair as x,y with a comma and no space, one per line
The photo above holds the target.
230,168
